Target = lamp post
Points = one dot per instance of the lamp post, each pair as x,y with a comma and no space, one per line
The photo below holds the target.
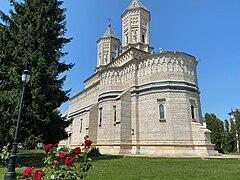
11,174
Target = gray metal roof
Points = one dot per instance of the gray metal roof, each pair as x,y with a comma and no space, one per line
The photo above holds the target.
136,4
109,32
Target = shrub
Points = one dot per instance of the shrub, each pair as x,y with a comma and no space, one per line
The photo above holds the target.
64,149
94,152
60,165
4,155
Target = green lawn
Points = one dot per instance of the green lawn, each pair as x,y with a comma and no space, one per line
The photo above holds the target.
159,168
128,168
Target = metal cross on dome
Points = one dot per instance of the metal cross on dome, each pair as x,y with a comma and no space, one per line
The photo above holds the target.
109,21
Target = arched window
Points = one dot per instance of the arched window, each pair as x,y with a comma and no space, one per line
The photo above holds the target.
143,38
81,126
192,112
100,116
161,111
114,114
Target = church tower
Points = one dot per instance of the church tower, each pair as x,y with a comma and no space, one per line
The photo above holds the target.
108,47
135,27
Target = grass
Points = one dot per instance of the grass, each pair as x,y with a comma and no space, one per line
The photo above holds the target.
135,168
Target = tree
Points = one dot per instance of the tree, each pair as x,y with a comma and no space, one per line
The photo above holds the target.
216,127
232,137
33,37
229,139
237,125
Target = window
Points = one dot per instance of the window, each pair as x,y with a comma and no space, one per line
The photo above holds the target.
161,111
126,36
192,112
143,38
81,126
114,114
100,116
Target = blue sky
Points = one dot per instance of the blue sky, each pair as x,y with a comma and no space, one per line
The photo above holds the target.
206,29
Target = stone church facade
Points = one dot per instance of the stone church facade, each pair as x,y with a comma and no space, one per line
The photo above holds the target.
138,101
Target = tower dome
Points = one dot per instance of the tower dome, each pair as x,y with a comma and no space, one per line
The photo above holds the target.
135,27
108,46
136,4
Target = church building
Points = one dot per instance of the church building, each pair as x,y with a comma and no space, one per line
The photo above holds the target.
139,101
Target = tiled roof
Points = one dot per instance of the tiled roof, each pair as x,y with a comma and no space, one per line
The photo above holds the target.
136,4
109,32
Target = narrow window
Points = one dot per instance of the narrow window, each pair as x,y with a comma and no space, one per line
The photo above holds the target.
126,38
192,111
81,126
100,116
161,111
143,38
114,114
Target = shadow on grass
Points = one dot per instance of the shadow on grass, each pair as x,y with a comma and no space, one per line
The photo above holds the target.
28,158
106,157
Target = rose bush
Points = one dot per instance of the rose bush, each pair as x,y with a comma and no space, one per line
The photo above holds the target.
48,147
4,155
77,150
62,155
27,172
59,165
88,142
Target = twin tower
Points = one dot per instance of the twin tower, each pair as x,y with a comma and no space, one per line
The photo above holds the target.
135,33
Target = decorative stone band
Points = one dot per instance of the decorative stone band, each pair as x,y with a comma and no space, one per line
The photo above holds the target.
170,66
153,88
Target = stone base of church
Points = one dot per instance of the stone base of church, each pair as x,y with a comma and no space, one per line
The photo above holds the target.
160,150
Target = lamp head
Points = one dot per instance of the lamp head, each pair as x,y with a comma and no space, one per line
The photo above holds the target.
26,76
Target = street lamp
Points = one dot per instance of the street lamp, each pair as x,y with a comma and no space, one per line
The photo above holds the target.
11,174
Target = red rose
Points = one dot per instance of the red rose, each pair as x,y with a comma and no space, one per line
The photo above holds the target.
39,174
69,161
55,145
48,147
88,142
77,150
57,163
27,172
62,155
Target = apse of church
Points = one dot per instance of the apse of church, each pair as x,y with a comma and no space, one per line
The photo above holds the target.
137,101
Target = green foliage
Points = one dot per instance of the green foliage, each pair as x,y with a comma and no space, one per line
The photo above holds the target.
94,152
65,149
231,142
223,134
59,165
216,127
4,155
237,124
33,37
